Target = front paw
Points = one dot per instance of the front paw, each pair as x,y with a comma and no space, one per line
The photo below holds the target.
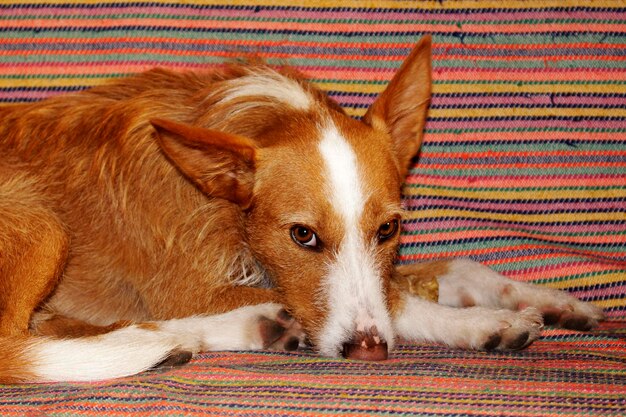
557,307
280,331
517,331
575,316
500,329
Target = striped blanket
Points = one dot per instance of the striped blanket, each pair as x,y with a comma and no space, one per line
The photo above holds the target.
523,168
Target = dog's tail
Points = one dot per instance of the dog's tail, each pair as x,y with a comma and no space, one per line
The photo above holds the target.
123,352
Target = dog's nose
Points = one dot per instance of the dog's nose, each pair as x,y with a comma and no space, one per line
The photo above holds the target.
366,346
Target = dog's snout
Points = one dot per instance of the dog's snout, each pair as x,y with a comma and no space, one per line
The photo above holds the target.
366,346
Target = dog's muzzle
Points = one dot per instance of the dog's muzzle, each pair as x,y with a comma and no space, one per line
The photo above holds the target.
366,346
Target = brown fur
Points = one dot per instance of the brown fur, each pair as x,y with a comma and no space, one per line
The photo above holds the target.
154,198
93,175
65,327
15,361
421,279
33,250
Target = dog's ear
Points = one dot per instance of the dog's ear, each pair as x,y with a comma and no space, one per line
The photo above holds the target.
219,163
402,108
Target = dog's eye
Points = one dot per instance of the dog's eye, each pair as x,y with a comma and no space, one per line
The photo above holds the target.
387,230
304,236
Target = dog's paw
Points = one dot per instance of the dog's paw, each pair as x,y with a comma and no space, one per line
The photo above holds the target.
575,315
557,307
500,329
517,330
280,331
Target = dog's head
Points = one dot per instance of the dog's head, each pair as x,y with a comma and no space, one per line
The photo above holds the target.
321,191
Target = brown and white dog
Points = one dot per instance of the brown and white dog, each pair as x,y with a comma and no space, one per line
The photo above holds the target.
169,213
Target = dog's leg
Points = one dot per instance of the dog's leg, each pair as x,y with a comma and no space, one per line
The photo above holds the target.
419,320
470,283
253,327
465,283
33,250
262,326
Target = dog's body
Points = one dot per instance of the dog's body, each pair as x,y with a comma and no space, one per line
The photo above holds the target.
165,196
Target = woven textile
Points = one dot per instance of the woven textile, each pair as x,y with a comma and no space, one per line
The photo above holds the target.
523,168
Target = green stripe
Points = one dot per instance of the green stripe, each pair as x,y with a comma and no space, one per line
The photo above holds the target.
199,57
183,17
262,37
468,38
64,76
510,243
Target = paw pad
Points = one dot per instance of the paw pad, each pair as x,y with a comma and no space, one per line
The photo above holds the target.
282,332
493,342
568,319
518,342
576,322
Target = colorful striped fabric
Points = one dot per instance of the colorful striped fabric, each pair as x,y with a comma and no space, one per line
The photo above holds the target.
523,168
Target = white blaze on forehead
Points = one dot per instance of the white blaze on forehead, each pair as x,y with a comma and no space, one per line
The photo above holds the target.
353,284
268,83
342,173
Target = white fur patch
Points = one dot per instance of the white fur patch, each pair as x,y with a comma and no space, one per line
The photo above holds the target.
270,84
235,330
353,282
344,187
123,352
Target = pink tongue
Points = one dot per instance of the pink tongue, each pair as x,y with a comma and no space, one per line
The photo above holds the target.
374,352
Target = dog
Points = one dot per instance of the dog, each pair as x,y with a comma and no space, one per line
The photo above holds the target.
168,213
